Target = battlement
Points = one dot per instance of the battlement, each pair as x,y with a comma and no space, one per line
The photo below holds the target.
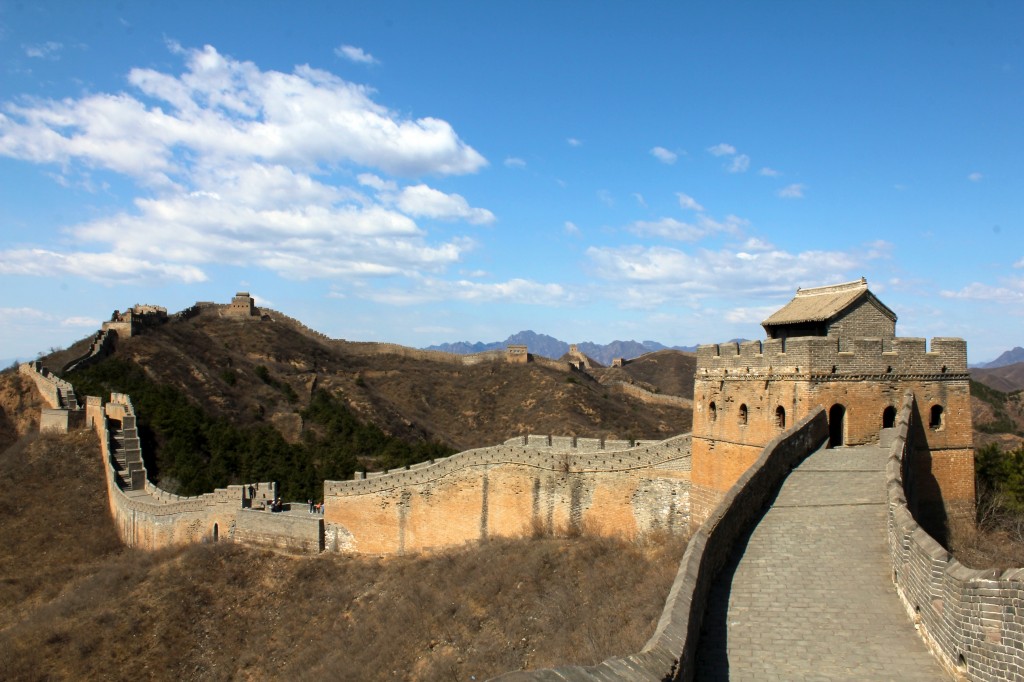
803,357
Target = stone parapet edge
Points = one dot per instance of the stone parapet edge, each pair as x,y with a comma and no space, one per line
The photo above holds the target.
670,654
972,619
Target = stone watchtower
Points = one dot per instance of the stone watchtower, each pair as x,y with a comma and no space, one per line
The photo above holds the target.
242,305
834,347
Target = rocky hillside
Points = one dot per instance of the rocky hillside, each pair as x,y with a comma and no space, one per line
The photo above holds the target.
666,372
208,389
1005,378
998,417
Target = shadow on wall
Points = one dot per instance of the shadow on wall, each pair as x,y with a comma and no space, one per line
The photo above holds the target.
924,496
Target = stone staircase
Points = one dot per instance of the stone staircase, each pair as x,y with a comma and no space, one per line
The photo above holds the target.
126,454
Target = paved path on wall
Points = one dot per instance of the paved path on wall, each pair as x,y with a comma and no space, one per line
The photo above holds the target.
808,594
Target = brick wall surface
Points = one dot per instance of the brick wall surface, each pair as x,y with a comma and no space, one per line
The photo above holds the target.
973,619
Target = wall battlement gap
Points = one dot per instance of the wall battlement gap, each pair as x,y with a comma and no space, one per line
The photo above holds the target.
825,355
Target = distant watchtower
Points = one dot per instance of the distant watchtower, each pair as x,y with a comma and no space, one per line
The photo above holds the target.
834,347
242,305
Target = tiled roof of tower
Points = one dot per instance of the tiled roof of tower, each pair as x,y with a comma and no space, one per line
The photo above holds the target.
822,303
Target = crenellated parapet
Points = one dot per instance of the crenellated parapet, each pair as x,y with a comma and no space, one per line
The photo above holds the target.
588,455
806,357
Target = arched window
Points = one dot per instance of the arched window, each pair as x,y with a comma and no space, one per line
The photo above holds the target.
889,417
743,415
712,412
780,417
936,419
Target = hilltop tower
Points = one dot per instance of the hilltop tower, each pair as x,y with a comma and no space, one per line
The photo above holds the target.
242,305
835,347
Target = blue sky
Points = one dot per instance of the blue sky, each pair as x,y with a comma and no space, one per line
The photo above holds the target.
427,172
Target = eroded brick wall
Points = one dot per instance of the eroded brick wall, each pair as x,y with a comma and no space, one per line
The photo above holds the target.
512,490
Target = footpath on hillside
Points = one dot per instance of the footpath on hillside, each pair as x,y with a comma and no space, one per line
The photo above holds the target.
807,594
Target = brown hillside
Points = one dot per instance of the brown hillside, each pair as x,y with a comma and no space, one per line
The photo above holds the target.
20,403
665,371
74,604
1006,379
217,360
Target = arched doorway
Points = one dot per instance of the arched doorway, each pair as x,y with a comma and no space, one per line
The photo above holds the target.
889,417
836,419
216,533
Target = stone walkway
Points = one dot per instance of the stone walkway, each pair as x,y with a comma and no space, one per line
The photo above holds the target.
808,594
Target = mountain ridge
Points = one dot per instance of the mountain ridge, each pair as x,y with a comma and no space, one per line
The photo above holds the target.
551,347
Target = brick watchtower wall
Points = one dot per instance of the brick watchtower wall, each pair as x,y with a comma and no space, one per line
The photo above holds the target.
746,394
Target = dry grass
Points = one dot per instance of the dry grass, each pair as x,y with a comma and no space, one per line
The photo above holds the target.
75,605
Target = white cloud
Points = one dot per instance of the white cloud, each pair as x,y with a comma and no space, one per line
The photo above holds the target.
769,172
511,291
221,108
109,268
574,142
571,228
640,199
753,315
245,167
23,314
664,155
48,50
79,321
670,228
355,54
688,202
1012,291
740,163
605,197
515,162
649,276
423,201
722,149
794,191
1019,264
975,177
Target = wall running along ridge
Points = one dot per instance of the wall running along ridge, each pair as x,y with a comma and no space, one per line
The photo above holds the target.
541,483
972,619
513,490
671,652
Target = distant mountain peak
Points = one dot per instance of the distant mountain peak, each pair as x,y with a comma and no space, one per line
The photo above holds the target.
1010,357
550,347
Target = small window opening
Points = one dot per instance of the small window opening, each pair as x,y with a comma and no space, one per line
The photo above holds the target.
936,419
712,412
780,417
743,415
889,417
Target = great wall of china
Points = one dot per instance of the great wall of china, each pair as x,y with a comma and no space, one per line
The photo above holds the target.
973,620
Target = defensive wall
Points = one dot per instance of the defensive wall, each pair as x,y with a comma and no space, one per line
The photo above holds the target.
528,485
670,653
102,344
150,518
972,619
746,393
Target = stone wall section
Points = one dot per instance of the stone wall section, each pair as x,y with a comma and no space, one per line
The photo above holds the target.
57,393
150,518
102,345
515,489
972,619
670,654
